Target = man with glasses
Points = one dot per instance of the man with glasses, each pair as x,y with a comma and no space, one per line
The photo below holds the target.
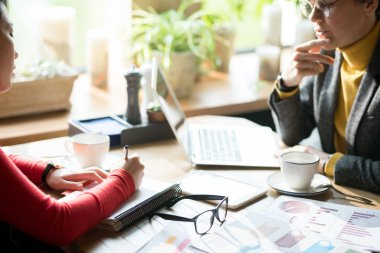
332,84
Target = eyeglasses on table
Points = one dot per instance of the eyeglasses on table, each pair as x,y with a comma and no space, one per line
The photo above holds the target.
203,221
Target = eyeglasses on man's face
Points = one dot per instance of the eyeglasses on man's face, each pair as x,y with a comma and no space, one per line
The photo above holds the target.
203,221
307,8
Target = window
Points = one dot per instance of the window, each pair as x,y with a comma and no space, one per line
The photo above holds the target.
113,15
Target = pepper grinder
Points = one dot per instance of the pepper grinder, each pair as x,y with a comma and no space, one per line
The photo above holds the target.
133,78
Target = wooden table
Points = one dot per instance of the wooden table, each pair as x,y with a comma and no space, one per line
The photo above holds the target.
167,162
217,94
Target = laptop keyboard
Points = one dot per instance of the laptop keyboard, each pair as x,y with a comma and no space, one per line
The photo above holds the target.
219,145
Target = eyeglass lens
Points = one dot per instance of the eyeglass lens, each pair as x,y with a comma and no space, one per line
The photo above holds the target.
204,222
307,9
222,211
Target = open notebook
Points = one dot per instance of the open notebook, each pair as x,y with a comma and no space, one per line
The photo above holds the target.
211,144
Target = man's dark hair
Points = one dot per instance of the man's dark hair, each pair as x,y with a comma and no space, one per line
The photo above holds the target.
1,10
5,2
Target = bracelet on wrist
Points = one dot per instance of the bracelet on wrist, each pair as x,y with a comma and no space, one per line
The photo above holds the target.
324,165
281,85
48,168
324,168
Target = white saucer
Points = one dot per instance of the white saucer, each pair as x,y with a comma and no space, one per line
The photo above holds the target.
277,182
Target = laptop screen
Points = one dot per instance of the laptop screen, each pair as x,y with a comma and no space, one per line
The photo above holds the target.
168,101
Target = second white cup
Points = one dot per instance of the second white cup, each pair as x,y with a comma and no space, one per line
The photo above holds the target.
298,168
89,149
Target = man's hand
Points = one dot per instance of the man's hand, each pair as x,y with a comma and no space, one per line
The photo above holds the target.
323,157
306,61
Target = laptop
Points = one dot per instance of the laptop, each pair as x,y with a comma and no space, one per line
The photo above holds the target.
214,144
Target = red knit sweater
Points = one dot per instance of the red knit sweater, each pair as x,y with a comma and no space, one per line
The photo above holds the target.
27,208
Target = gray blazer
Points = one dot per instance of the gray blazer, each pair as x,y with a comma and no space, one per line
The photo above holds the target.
314,106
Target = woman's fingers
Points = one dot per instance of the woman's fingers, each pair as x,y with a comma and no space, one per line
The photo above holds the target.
102,173
136,169
83,175
71,185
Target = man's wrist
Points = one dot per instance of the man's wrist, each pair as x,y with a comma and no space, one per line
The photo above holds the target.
281,85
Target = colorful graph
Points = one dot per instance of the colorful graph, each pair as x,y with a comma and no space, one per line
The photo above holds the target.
323,246
294,207
173,239
290,239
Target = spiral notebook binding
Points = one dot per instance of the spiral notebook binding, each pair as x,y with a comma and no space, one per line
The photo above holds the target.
146,207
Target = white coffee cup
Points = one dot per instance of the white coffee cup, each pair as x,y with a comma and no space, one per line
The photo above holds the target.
89,149
298,168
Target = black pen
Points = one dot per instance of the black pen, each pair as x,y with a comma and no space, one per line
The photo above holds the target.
126,152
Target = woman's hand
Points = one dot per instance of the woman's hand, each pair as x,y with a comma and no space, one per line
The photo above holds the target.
306,61
65,179
135,168
323,157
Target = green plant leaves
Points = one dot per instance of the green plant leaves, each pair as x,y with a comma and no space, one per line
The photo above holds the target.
172,31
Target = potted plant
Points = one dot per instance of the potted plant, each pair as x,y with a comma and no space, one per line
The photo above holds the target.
178,41
44,86
155,113
224,23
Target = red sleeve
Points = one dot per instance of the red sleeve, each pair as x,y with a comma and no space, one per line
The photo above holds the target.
32,169
27,208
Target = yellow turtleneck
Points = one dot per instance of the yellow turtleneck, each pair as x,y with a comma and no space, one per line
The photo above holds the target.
354,65
355,62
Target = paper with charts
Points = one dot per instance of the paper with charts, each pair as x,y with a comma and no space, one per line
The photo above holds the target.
172,239
358,227
257,232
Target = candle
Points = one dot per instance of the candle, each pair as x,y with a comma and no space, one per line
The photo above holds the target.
304,31
269,62
146,84
271,21
55,27
97,57
290,16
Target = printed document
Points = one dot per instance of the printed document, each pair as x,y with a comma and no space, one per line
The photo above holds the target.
358,227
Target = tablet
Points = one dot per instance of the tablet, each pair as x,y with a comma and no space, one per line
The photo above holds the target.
204,182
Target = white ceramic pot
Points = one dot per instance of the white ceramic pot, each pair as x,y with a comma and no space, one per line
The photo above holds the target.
225,46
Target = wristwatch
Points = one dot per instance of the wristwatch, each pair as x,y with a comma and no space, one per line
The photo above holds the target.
49,166
281,85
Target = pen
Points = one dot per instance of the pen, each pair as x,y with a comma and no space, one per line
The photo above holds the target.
126,152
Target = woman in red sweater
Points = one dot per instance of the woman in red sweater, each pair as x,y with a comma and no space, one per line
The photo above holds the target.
26,210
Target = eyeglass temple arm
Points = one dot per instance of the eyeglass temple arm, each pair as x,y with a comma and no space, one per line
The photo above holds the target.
195,197
171,217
